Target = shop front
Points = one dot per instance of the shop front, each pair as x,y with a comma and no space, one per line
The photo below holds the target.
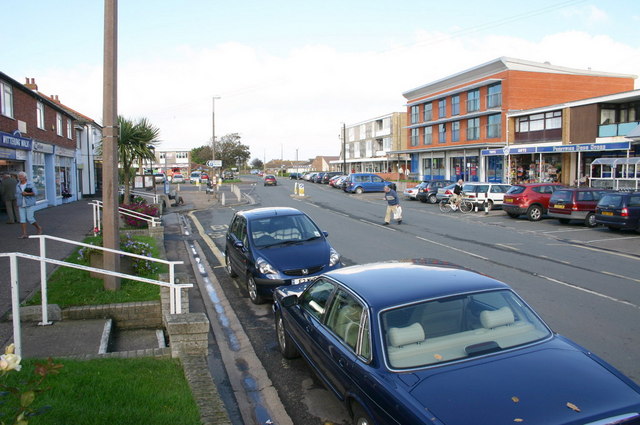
14,150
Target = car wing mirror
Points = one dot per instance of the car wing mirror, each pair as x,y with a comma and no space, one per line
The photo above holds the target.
289,300
238,244
326,234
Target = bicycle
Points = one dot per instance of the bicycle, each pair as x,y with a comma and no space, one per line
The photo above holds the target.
464,206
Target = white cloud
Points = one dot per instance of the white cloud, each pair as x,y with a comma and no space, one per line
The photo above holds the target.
298,100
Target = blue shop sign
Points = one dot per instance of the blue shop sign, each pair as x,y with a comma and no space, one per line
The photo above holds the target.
587,147
15,142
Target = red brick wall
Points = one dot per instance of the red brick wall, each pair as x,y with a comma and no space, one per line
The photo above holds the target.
24,109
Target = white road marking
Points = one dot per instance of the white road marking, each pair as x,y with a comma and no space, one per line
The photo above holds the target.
589,291
504,245
612,239
620,276
564,231
452,248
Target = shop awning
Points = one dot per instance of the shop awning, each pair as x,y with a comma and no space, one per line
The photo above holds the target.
617,161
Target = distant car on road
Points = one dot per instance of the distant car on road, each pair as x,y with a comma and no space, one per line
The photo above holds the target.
295,176
619,210
364,182
270,180
531,199
443,345
159,178
177,178
270,247
479,193
428,189
575,204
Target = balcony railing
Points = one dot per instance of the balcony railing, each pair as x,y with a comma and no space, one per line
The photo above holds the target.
619,129
494,100
473,105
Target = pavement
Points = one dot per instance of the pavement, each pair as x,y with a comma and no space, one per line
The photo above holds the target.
85,339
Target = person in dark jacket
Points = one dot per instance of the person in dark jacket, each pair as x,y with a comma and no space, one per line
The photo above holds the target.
9,197
457,193
393,206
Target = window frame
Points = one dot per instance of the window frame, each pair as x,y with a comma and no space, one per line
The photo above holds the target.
40,115
6,99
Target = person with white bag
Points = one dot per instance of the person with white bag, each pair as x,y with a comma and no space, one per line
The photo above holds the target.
393,205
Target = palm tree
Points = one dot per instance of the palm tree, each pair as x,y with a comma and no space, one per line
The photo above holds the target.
136,143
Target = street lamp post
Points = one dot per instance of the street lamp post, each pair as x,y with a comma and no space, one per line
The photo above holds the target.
213,131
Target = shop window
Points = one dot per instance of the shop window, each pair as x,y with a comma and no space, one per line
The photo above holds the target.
38,176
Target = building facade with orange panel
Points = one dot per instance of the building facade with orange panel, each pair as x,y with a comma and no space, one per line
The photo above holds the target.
452,120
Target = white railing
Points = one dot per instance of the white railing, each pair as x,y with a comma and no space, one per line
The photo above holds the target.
152,196
152,221
175,289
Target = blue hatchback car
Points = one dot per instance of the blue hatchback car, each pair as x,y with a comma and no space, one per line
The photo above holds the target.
270,247
422,342
364,182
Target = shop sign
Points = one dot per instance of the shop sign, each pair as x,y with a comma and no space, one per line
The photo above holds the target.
7,153
587,147
64,151
15,142
42,147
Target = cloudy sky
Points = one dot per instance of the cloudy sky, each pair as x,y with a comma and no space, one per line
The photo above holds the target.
288,73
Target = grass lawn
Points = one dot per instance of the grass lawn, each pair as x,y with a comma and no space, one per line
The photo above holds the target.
72,287
113,391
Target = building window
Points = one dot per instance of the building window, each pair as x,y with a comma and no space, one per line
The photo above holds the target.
494,96
368,146
473,129
59,124
356,150
182,155
455,131
428,135
386,143
553,120
37,175
6,99
442,108
40,115
414,137
414,114
455,105
69,132
442,133
428,112
473,100
494,124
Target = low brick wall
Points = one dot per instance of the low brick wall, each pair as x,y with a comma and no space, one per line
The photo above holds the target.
188,334
138,315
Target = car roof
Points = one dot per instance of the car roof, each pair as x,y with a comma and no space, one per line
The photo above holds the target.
387,284
537,184
258,213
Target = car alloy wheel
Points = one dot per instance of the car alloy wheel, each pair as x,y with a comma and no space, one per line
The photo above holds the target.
285,344
228,266
360,417
252,289
359,190
534,213
590,220
432,198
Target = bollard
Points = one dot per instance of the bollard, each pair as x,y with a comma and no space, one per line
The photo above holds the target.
301,190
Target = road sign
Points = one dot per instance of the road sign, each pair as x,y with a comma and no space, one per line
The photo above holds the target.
214,163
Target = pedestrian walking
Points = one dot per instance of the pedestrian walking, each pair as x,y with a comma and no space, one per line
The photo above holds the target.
26,194
8,192
393,205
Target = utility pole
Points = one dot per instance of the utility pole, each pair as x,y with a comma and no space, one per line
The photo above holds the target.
344,148
110,217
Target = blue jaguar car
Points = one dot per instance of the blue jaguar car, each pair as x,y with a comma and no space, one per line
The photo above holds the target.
425,342
270,247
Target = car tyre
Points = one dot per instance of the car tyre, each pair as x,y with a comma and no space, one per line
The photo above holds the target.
489,205
534,213
360,417
252,289
285,343
359,190
228,266
590,220
432,198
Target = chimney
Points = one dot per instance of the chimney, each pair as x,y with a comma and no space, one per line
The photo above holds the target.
54,97
31,84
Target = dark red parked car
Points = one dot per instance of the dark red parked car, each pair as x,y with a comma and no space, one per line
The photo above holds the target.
531,199
575,204
270,180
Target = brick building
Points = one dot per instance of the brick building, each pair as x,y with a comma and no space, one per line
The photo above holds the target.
38,136
452,120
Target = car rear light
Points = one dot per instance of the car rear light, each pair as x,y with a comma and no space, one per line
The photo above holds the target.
471,196
574,207
624,212
448,192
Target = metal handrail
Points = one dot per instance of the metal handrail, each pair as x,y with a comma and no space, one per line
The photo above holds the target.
97,204
175,294
152,196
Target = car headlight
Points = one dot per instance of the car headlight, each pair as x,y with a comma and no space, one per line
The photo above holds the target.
334,257
264,267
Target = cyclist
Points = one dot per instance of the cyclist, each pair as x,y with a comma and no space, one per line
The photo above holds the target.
457,195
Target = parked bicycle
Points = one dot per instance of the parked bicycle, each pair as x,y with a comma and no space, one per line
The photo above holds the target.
448,205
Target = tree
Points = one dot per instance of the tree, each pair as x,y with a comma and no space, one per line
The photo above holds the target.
229,149
257,164
136,143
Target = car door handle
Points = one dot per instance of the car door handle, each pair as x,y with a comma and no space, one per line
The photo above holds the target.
307,328
342,362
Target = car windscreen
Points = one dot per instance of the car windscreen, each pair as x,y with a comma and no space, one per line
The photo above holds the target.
455,328
277,230
612,200
514,190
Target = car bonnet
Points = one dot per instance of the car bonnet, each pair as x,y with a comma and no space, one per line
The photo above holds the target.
296,256
540,386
